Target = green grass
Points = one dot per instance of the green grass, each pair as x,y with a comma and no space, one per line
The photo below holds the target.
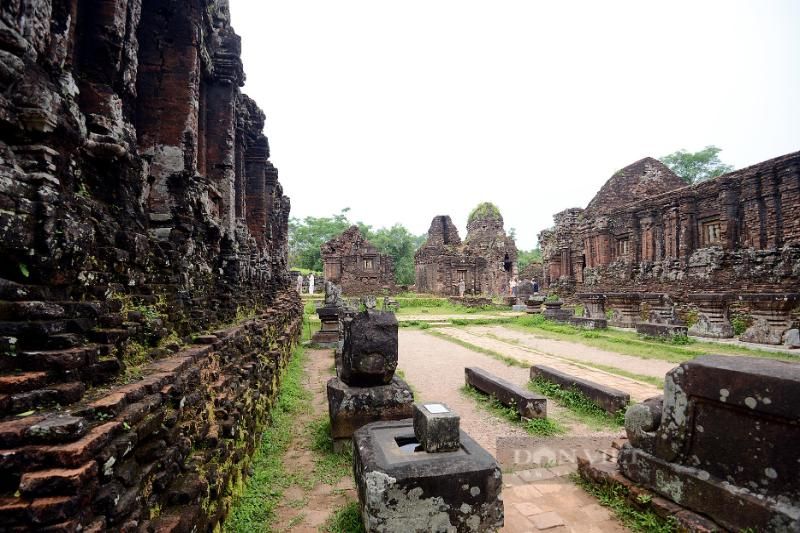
345,519
543,427
579,404
510,361
630,343
255,508
652,380
329,467
615,497
414,391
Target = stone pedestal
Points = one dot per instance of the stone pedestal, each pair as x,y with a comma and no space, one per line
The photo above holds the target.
594,305
365,389
772,321
723,442
533,305
625,309
712,316
350,408
553,311
402,488
328,334
659,306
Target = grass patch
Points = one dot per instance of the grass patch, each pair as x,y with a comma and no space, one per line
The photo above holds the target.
543,427
415,392
345,519
329,466
577,402
615,497
510,361
255,508
630,343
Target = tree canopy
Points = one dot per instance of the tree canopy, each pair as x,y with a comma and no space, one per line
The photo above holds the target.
307,235
484,210
526,257
694,167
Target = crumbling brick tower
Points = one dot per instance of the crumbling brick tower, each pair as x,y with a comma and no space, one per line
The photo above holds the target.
486,260
138,206
354,264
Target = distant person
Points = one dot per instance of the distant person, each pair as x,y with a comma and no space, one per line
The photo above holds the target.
462,288
513,286
299,284
311,283
535,287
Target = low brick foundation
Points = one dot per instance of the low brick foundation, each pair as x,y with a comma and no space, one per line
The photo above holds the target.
166,450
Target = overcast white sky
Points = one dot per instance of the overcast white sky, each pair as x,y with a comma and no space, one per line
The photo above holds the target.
406,110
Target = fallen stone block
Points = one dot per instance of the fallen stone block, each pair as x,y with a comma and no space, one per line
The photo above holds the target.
588,323
652,329
607,398
527,403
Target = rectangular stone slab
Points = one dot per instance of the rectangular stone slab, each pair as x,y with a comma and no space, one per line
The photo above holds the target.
402,490
661,330
589,323
527,403
607,398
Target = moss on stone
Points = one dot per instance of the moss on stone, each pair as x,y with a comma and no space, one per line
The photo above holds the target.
484,211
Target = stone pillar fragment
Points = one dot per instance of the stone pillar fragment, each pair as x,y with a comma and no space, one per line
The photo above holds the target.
712,315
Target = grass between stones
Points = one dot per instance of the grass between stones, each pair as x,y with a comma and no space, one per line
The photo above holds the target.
631,343
255,509
543,427
579,404
346,519
615,497
263,490
510,361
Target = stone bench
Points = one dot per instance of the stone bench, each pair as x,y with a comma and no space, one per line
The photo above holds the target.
653,329
527,403
607,398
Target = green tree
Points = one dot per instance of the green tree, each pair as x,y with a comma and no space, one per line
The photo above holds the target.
694,167
400,244
526,257
307,235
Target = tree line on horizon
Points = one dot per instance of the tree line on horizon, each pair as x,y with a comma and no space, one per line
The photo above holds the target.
308,234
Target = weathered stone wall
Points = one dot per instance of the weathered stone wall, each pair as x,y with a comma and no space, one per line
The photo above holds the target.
138,208
486,260
354,264
739,232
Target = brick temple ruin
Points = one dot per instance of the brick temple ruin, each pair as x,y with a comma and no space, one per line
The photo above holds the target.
354,264
486,261
650,244
138,209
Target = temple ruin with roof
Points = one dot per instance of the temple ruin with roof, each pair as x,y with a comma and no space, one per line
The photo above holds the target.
649,241
486,261
354,264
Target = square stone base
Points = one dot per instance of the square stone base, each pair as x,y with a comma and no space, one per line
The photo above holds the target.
402,490
352,407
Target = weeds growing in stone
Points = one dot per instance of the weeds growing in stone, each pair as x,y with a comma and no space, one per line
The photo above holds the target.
577,402
543,427
615,497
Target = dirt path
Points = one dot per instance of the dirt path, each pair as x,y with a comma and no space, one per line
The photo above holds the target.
639,391
536,499
578,352
307,504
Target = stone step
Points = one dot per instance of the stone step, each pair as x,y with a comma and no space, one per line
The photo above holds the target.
109,335
30,310
60,360
10,290
22,382
62,394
